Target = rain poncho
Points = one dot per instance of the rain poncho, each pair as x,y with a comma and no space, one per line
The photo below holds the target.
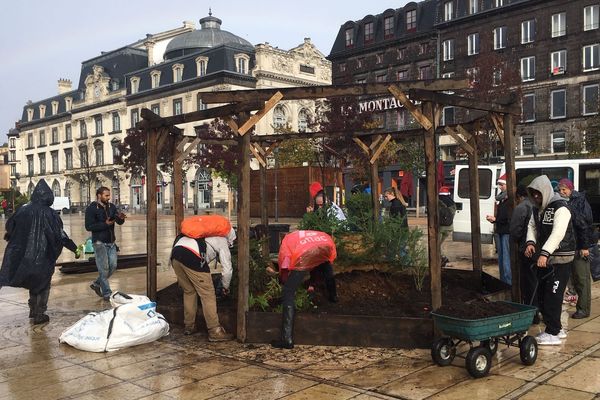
35,241
305,250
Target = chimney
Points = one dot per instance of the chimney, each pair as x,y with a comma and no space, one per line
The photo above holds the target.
64,86
149,43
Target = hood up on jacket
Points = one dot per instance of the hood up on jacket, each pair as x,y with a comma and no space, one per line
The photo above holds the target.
543,185
42,194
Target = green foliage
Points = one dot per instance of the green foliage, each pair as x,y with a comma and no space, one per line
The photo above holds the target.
296,152
359,208
264,299
322,220
258,278
20,199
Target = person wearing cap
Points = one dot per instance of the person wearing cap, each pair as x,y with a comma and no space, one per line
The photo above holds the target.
585,238
317,194
446,211
501,221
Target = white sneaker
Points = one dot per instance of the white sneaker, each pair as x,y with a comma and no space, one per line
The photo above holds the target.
562,334
546,339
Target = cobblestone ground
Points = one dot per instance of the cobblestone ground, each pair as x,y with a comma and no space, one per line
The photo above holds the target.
34,366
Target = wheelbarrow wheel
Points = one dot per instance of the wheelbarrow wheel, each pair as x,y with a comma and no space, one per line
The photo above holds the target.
443,351
528,350
491,345
479,362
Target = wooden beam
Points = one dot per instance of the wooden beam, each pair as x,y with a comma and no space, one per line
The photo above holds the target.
162,138
375,142
497,121
461,142
270,149
177,185
209,113
258,157
511,187
463,132
188,150
374,172
363,146
320,92
232,124
474,207
253,120
401,97
465,102
151,217
185,140
264,210
380,149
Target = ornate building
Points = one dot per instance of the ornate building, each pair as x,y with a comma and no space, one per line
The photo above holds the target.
72,139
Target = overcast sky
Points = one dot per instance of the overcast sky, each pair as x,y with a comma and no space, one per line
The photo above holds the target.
43,41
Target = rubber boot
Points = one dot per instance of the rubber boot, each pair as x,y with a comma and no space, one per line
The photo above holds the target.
31,303
287,329
40,307
331,290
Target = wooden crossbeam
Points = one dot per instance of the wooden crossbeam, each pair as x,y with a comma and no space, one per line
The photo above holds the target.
460,101
253,120
375,142
401,97
257,155
377,152
464,132
363,146
463,144
188,150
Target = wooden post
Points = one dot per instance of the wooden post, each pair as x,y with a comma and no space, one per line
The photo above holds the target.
243,233
474,199
151,222
177,186
375,190
435,265
511,187
264,207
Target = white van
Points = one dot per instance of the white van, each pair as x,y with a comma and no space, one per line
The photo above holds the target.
584,173
61,204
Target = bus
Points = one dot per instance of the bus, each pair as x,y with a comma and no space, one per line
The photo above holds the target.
584,173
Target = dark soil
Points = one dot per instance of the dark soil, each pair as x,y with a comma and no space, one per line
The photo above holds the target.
476,309
374,293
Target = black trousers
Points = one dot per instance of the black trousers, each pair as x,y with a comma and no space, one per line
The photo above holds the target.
295,279
529,279
553,282
38,302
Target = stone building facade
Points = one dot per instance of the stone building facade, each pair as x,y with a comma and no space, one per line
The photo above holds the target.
72,139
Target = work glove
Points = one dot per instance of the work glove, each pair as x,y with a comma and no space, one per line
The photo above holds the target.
78,253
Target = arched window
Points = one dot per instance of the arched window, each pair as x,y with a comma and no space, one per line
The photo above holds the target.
30,189
303,120
67,189
99,152
56,188
279,117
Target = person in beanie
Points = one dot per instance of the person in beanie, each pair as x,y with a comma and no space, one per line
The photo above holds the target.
518,232
317,194
447,209
35,239
501,220
550,237
585,236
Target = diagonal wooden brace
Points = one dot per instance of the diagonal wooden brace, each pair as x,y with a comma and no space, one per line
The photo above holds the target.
258,157
253,120
185,140
464,132
162,138
232,124
380,149
499,125
271,148
375,142
465,146
401,97
188,150
363,146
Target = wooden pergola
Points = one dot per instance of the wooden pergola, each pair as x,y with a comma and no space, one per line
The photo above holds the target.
423,99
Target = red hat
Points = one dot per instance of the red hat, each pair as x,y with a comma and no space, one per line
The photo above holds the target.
502,180
444,191
566,183
314,188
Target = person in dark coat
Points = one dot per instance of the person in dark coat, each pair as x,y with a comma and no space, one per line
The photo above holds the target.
501,220
397,204
35,239
518,233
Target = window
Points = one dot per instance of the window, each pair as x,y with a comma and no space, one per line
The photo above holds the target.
473,44
590,17
448,50
473,6
155,77
423,48
379,58
528,145
401,53
155,108
342,67
485,184
42,138
13,170
201,105
349,37
30,165
82,129
242,61
590,99
369,32
302,120
447,116
558,62
388,27
498,3
135,84
116,152
201,65
360,81
527,69
591,57
83,157
98,123
68,103
559,25
135,117
447,75
500,38
402,75
13,143
42,163
54,107
425,72
54,135
411,20
528,31
558,107
177,72
448,10
279,117
30,140
69,158
558,142
473,75
116,122
359,62
382,77
56,187
13,156
177,107
99,152
114,85
54,155
42,111
528,111
496,77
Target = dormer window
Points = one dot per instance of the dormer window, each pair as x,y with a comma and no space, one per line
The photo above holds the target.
42,110
448,10
349,37
54,107
388,27
411,20
201,65
135,84
155,77
29,114
114,85
241,62
177,72
68,103
369,32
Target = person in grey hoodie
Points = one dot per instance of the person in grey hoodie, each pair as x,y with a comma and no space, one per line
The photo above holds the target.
550,237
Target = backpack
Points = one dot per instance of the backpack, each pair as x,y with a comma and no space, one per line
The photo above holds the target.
446,214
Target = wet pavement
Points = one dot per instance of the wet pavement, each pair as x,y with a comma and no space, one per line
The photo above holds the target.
34,366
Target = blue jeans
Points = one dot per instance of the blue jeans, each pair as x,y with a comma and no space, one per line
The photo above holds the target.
106,262
503,247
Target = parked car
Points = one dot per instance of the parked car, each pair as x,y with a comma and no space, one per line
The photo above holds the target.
61,204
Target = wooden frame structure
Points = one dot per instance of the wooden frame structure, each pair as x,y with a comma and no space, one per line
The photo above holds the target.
163,132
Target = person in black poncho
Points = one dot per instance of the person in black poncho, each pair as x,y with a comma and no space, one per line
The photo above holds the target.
35,239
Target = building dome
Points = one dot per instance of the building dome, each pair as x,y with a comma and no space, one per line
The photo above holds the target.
208,36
